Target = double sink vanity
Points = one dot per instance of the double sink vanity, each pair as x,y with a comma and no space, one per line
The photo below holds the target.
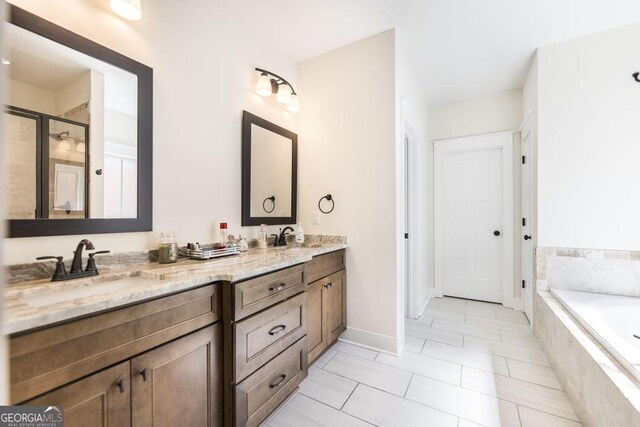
222,342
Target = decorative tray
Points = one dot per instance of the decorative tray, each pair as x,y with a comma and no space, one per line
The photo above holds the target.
205,253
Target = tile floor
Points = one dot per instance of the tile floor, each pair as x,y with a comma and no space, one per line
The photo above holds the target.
465,363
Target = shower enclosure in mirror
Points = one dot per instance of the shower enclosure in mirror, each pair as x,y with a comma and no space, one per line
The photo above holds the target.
77,133
269,172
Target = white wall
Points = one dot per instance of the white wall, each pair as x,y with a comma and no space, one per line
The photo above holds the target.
23,95
530,103
589,142
203,62
347,148
487,114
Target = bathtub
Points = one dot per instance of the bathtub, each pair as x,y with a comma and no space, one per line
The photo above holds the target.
611,319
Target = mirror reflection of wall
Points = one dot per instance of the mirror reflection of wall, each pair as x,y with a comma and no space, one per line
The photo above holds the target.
71,133
270,173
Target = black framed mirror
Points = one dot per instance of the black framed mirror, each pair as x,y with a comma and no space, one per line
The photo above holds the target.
269,172
78,129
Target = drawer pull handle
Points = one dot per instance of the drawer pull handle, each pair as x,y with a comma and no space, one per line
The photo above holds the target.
144,374
121,386
277,288
277,329
279,381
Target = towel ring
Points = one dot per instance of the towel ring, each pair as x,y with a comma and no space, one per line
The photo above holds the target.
636,76
329,198
273,202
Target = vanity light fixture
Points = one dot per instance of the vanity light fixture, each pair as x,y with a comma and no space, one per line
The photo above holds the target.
5,61
81,147
128,9
64,145
270,83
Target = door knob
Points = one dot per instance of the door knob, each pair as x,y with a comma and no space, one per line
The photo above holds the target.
527,237
496,233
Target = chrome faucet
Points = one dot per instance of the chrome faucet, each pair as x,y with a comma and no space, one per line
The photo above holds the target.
76,265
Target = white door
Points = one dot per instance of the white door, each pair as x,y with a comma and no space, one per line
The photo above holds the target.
474,217
527,215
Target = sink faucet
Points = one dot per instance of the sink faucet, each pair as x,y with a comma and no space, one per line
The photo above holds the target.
282,239
76,265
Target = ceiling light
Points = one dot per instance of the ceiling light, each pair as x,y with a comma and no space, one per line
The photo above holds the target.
284,94
269,83
128,9
5,61
64,145
294,105
263,87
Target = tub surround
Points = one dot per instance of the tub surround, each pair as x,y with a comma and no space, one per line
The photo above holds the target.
601,389
39,303
589,270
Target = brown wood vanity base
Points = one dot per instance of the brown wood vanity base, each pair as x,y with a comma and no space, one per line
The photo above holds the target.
226,353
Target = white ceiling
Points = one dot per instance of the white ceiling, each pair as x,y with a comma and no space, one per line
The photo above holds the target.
460,48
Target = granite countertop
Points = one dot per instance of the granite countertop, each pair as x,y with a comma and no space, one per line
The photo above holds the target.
40,303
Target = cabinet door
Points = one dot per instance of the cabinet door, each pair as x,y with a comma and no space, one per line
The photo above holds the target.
179,383
336,305
101,399
316,336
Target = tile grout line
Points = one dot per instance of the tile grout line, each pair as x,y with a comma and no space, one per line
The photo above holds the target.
408,385
518,405
349,397
329,406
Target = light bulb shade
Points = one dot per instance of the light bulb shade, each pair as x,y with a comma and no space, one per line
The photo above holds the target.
128,9
263,87
64,145
81,147
284,94
294,104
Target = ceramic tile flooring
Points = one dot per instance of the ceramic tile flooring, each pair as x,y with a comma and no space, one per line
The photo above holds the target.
465,363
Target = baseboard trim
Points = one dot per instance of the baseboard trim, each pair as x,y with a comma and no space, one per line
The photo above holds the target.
371,340
423,303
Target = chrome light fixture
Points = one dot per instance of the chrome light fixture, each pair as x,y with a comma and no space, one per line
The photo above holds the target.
270,83
128,9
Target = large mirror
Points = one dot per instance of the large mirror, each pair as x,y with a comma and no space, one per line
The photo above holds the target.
269,172
77,133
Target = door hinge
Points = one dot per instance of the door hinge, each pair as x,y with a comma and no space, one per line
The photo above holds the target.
524,222
523,284
406,235
524,159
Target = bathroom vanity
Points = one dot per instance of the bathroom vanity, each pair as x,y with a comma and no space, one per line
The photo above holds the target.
219,342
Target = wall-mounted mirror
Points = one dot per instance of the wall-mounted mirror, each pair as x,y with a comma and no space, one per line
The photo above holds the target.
77,133
269,172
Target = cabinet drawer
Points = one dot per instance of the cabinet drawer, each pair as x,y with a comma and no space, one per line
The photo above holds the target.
43,360
262,392
257,294
261,337
324,265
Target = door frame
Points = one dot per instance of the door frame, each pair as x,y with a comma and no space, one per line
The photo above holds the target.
409,144
504,142
529,120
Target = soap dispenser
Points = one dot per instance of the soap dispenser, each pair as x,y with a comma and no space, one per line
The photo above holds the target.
262,237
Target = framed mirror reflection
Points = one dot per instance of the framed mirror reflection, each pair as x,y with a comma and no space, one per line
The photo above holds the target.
77,133
269,172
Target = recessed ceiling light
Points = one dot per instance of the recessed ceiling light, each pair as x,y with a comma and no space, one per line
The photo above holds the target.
5,61
128,9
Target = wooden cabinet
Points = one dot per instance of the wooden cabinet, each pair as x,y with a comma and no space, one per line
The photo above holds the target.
178,383
100,400
327,312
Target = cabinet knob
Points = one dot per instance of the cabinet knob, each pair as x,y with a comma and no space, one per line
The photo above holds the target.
277,382
328,285
121,386
277,329
144,374
277,288
527,237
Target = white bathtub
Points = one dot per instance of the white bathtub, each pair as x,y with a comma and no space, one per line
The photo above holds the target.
611,319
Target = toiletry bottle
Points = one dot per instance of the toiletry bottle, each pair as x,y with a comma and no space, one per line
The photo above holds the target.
300,235
244,246
168,248
262,237
223,234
